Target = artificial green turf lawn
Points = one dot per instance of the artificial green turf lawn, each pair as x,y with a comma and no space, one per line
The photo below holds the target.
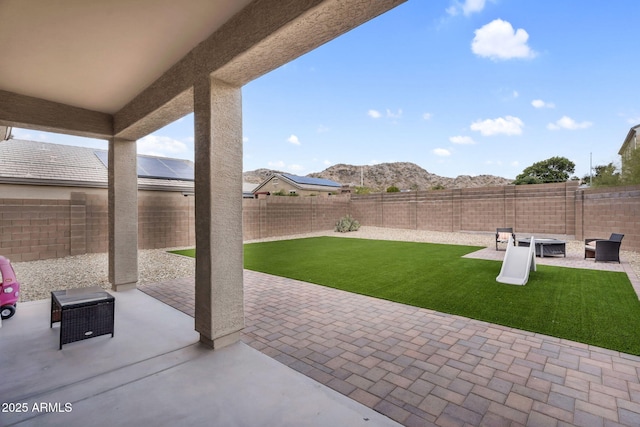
589,306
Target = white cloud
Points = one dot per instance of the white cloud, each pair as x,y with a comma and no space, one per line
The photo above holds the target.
277,165
507,94
442,152
322,129
245,139
508,125
374,162
461,140
427,116
498,40
539,103
282,166
633,120
472,6
327,163
467,8
294,140
161,146
568,123
21,134
392,115
28,136
375,114
515,163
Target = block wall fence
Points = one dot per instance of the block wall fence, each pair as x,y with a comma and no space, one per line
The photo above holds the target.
39,228
33,228
561,209
541,209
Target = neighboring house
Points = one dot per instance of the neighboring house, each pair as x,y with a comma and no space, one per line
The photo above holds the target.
287,184
45,164
247,190
54,201
630,144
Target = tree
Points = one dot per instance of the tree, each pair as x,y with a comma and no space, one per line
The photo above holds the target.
631,171
605,176
554,169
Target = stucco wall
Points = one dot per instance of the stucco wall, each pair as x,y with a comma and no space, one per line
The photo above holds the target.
283,215
547,209
610,210
75,222
33,229
53,222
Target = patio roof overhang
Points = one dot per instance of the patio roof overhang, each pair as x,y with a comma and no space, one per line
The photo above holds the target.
119,70
126,69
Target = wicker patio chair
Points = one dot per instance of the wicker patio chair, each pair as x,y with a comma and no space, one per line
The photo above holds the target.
503,234
603,249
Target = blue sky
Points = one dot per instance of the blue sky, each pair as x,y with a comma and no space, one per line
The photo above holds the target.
458,87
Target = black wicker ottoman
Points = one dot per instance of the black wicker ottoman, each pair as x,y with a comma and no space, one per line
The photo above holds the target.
83,313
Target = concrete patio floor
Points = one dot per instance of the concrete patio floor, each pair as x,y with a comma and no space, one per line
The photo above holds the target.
154,372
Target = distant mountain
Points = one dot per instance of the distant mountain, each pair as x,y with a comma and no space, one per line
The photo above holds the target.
258,175
404,175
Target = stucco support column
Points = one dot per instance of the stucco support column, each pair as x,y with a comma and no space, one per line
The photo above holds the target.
123,214
219,308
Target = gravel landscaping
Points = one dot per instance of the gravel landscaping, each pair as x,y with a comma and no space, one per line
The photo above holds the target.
39,278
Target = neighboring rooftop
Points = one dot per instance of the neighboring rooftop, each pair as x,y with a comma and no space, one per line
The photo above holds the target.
41,163
307,180
631,140
301,183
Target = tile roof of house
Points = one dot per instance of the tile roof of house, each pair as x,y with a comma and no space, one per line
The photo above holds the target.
41,163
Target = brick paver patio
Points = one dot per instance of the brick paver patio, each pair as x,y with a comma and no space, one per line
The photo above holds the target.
421,367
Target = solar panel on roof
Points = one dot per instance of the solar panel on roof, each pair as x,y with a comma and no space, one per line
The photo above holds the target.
183,169
152,168
311,181
103,156
156,167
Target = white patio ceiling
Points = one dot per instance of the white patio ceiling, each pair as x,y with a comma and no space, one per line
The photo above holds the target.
99,54
126,68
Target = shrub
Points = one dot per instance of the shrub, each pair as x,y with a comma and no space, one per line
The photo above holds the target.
347,223
393,189
281,192
362,190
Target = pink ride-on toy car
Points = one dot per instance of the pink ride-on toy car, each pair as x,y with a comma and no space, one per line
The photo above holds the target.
9,289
